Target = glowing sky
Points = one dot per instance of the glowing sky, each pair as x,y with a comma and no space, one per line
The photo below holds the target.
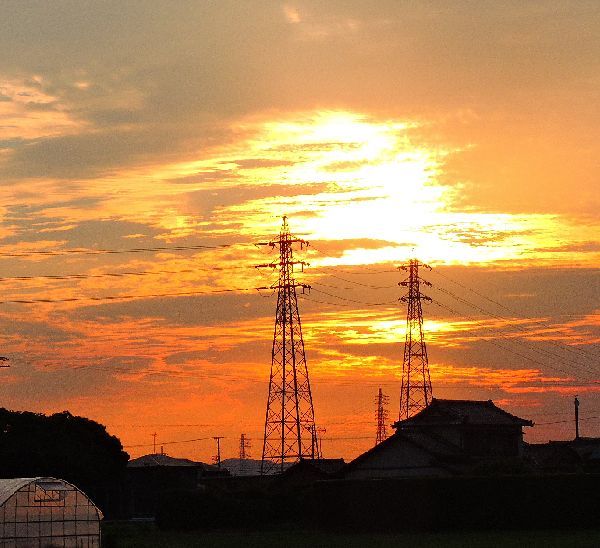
466,136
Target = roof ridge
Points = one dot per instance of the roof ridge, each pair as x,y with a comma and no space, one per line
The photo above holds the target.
452,409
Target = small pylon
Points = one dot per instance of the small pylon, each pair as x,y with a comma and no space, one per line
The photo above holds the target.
316,433
381,416
217,457
415,393
244,454
319,441
289,422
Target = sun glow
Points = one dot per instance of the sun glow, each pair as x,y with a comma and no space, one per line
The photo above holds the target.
368,180
377,187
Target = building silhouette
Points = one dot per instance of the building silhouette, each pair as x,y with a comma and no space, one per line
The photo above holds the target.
449,437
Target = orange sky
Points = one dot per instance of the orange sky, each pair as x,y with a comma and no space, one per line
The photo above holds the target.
467,137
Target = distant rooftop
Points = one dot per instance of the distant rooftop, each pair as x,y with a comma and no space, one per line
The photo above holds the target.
159,459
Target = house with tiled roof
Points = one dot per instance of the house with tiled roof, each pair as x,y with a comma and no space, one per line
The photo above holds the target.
449,437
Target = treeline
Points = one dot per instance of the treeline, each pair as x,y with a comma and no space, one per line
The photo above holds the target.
420,504
65,446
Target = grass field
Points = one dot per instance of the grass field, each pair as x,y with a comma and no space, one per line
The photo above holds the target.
136,535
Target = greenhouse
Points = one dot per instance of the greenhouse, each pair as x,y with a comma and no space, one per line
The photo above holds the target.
44,512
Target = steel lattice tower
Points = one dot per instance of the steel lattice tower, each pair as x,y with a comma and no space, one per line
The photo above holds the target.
217,457
244,445
381,416
290,433
244,454
415,393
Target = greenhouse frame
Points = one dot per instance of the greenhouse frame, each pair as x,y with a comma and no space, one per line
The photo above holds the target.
43,512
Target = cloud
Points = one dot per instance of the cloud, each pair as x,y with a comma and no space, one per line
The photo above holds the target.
376,128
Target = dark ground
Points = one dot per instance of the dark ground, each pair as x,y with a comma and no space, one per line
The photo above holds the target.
136,535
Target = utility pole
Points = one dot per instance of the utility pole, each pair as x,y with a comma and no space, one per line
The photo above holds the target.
381,416
289,419
415,393
217,457
576,418
244,454
319,441
154,443
315,442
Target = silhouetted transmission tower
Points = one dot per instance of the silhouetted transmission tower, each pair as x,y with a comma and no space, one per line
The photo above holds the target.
244,446
244,454
382,416
290,422
415,393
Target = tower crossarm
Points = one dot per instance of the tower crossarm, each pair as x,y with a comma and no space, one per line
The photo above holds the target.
406,298
277,265
407,283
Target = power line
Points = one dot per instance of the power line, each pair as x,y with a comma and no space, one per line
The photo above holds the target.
516,313
565,421
114,251
126,297
341,438
166,443
310,299
119,274
361,284
154,426
515,325
553,355
389,303
364,270
499,345
88,276
459,314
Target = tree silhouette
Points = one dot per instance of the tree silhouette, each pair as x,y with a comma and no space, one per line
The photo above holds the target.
65,446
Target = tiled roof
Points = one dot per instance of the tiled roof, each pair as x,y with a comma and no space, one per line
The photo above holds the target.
430,442
445,412
438,449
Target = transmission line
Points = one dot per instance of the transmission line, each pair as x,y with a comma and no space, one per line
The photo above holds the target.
354,300
166,443
119,274
515,325
504,347
329,438
114,251
127,297
361,284
565,421
88,276
516,313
